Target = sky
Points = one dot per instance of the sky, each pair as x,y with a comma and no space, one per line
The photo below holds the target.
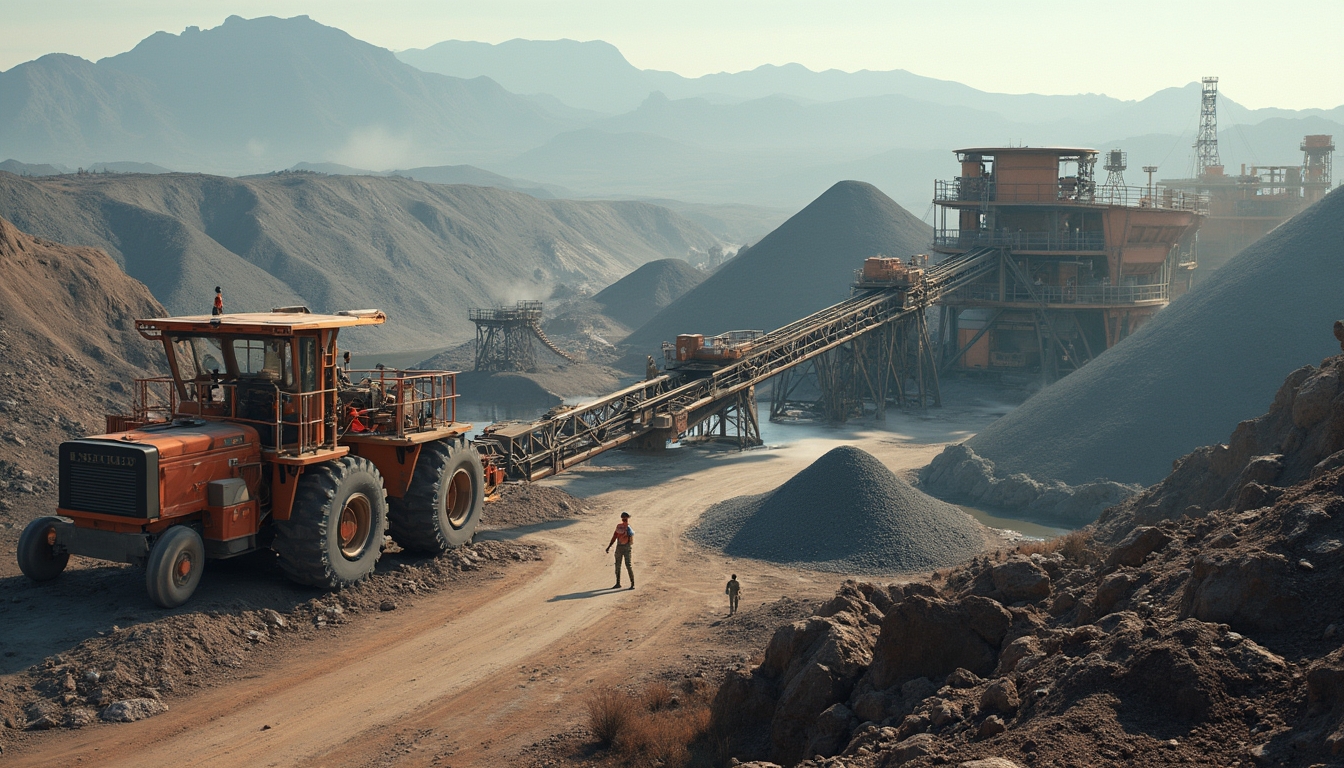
1280,54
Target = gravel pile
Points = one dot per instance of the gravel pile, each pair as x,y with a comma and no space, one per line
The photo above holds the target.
846,513
1210,360
638,296
805,265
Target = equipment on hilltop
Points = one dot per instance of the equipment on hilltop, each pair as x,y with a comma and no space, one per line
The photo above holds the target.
258,439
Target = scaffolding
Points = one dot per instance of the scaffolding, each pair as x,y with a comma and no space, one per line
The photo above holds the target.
504,336
1206,143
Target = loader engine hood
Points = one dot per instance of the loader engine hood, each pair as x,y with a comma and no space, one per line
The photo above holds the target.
118,474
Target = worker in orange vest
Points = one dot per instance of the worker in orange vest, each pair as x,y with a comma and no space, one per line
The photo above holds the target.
623,538
218,308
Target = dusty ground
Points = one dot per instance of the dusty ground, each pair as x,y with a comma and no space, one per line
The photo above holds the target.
475,675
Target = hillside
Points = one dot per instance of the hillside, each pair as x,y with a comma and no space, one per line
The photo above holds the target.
805,265
259,94
1207,362
68,351
638,296
425,253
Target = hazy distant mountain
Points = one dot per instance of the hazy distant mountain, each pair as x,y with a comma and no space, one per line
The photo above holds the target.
261,94
425,253
594,75
32,169
589,75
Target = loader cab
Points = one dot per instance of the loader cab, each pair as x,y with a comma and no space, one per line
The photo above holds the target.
275,372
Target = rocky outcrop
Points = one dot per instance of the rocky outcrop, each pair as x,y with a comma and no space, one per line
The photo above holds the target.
959,473
931,638
1301,437
1211,637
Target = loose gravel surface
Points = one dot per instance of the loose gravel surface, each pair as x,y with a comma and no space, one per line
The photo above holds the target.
525,504
1210,360
846,513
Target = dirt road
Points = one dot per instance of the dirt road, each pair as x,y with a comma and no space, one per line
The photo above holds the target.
473,677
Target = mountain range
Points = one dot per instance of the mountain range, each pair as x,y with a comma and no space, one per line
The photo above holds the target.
574,119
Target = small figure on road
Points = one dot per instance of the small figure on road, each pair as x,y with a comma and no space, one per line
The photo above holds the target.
732,591
623,538
218,308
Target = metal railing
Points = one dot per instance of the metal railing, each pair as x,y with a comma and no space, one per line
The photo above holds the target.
408,401
1065,294
984,189
385,402
1021,241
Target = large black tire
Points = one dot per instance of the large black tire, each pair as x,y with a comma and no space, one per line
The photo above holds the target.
174,568
37,557
334,534
443,506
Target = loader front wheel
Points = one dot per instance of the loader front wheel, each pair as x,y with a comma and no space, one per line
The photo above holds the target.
174,568
334,534
442,508
38,558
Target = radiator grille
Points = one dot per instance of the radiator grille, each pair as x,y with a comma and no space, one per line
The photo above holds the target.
111,490
109,479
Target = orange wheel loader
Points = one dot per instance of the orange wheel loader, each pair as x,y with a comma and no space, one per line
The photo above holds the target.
259,440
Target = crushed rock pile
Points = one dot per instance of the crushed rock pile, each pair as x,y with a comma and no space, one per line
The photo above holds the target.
1210,638
638,296
805,265
1210,360
846,513
527,504
133,672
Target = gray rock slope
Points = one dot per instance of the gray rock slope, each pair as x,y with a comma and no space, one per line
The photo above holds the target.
1210,360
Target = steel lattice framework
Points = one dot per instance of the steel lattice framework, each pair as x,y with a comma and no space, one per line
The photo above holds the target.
669,406
1206,143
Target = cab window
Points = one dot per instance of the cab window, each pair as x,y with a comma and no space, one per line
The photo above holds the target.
267,359
308,364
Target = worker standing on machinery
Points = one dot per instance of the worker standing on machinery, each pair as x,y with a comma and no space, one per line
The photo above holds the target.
623,538
218,308
732,591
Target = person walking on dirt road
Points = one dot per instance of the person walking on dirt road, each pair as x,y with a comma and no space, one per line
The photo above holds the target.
623,538
731,591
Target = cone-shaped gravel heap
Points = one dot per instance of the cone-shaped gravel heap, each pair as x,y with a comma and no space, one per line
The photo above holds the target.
1209,361
845,513
805,265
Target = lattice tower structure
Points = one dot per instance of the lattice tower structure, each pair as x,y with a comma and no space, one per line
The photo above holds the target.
1206,142
1317,158
505,336
1116,163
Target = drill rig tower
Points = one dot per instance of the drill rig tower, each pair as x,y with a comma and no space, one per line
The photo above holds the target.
1206,143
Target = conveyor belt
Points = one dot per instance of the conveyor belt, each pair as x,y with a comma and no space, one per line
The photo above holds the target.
665,407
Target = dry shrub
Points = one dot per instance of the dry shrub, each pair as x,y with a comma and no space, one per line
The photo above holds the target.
1074,546
608,714
645,729
656,696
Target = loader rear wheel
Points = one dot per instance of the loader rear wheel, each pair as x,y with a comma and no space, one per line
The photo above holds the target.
38,558
174,567
441,509
334,534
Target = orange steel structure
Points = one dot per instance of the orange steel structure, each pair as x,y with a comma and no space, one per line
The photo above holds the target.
1244,207
1080,268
